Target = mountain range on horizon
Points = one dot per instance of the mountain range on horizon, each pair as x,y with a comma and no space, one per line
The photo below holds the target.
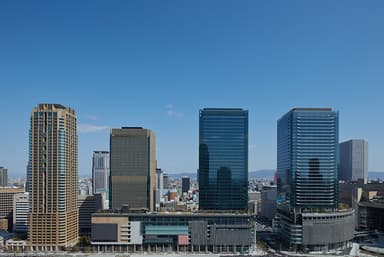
268,174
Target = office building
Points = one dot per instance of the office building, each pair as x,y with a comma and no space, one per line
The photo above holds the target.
159,191
133,168
177,232
254,202
346,191
6,206
185,184
307,193
100,175
307,158
20,213
166,180
370,209
3,177
268,202
52,175
88,204
353,164
223,159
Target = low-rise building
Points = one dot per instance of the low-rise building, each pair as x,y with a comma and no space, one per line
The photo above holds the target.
20,213
6,206
158,232
369,206
268,202
316,231
88,204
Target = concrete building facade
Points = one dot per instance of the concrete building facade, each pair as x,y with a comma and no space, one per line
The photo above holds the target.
6,206
353,163
52,177
133,168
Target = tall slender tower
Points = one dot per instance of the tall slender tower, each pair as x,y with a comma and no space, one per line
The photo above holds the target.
223,159
133,168
100,175
3,177
52,177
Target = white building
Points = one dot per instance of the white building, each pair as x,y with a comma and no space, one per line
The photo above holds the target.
20,212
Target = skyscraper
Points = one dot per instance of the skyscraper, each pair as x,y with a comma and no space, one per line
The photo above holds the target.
353,164
307,156
3,177
52,175
223,159
133,168
100,175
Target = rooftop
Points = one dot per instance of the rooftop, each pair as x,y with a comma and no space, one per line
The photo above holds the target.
310,109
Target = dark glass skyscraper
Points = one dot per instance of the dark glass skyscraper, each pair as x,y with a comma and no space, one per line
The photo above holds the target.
307,154
223,159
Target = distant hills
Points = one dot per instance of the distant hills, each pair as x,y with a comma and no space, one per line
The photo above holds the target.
375,175
192,175
269,174
262,174
259,174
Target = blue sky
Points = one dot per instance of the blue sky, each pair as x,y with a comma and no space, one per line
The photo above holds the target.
156,63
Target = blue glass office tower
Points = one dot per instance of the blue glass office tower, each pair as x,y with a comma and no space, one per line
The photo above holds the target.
307,203
307,156
223,159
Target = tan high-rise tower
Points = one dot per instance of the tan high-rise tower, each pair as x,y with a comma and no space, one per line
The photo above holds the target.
133,168
52,177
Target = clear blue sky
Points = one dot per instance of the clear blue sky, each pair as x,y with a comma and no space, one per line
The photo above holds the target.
156,63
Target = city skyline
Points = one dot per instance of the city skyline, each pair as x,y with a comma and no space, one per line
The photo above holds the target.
155,66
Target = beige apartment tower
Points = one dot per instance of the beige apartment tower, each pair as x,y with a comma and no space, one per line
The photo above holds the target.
133,168
52,178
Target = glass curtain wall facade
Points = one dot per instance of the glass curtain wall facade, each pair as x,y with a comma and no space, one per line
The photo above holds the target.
307,158
223,159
